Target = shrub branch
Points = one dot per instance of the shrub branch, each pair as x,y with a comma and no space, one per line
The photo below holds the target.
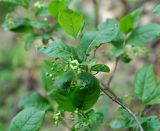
117,100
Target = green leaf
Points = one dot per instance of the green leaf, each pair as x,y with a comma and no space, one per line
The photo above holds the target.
42,11
117,52
30,119
55,69
117,124
58,49
100,68
145,34
126,23
70,95
136,15
150,123
62,90
118,41
156,10
5,8
29,41
155,98
20,25
125,57
87,93
46,81
71,22
35,100
123,121
95,118
46,36
107,32
145,83
40,24
87,41
91,119
146,86
24,3
55,7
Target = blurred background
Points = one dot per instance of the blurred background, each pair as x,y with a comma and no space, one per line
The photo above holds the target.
20,69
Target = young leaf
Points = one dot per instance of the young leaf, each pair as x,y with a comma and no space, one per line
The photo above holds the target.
34,99
107,31
145,34
58,49
55,7
126,23
145,83
71,22
100,68
136,16
30,119
91,119
156,10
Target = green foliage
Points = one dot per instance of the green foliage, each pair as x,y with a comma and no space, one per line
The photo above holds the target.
20,25
62,91
5,8
58,49
156,10
146,86
34,99
30,119
144,34
29,41
126,23
130,21
55,7
72,22
136,15
68,75
100,68
150,123
107,31
24,3
71,93
89,120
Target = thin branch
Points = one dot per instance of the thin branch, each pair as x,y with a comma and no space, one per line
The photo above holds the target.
96,8
112,75
117,100
94,53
